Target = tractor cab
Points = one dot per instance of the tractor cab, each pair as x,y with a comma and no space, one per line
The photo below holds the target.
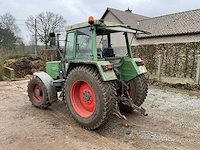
99,40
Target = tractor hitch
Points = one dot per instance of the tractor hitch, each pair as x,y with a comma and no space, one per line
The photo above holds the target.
129,102
135,107
118,113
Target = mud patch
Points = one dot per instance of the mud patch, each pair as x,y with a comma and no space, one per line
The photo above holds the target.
25,66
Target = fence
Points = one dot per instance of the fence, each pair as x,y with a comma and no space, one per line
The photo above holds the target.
48,54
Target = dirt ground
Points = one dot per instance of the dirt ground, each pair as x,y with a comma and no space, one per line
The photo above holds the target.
173,123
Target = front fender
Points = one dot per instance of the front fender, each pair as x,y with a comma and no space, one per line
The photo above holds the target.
48,82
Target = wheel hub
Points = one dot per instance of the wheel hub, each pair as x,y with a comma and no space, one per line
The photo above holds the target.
37,92
86,96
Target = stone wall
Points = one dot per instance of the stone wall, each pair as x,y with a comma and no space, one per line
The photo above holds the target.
178,59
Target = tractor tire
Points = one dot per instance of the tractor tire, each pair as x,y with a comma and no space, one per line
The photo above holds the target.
37,93
89,99
138,92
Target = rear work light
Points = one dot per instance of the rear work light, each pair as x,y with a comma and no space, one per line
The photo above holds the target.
140,63
107,67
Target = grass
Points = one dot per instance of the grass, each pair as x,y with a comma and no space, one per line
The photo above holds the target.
175,90
173,80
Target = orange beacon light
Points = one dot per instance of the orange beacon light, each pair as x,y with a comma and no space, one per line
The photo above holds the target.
91,20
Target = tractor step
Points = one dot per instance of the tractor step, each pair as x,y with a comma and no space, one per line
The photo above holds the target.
59,83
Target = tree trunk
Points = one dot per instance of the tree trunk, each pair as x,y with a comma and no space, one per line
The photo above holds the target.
46,45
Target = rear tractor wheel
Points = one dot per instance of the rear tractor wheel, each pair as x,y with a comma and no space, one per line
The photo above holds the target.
138,89
89,99
37,93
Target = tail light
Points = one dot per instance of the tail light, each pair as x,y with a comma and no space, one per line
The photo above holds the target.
107,67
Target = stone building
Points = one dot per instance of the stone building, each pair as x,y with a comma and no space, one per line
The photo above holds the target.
175,36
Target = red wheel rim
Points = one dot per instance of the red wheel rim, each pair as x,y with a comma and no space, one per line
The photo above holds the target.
83,98
37,93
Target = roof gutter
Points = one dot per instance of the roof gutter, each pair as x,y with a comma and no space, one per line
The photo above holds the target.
167,35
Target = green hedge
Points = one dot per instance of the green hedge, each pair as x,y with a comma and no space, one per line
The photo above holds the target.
178,59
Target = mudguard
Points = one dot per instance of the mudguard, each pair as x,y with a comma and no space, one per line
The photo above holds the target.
129,69
106,75
48,82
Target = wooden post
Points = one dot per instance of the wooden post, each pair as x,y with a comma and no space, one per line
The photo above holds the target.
159,66
198,69
51,57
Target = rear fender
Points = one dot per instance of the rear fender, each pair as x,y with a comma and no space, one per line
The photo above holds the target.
130,68
48,83
105,75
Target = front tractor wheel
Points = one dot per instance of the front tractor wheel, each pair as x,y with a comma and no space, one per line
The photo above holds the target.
89,99
138,89
37,93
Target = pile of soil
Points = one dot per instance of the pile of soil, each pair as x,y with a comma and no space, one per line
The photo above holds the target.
25,66
187,86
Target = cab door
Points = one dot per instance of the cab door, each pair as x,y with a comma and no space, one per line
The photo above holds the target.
69,48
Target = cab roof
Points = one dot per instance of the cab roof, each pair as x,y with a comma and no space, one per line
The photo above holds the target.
104,25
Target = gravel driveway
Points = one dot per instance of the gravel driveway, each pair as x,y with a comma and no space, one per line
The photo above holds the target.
173,123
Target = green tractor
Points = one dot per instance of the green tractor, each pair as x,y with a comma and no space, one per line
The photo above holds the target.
96,74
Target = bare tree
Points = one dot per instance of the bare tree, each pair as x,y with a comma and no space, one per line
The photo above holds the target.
46,23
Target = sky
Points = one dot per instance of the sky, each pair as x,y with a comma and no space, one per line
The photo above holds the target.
76,11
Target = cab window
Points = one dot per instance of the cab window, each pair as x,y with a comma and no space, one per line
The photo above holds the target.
84,43
69,45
